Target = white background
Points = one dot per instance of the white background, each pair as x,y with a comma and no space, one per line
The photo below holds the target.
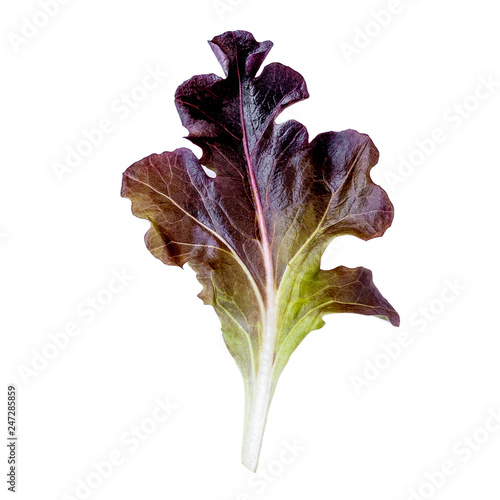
63,237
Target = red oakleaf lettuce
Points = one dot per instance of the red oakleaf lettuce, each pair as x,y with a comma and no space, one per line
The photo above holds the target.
255,232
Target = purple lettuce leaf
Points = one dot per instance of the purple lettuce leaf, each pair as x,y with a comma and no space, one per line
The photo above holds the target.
255,232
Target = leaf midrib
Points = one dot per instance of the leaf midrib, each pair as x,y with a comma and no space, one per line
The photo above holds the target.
259,209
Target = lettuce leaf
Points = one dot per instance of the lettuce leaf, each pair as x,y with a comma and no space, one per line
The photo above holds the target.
255,231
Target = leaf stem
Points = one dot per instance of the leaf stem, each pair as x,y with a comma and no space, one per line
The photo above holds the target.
259,396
